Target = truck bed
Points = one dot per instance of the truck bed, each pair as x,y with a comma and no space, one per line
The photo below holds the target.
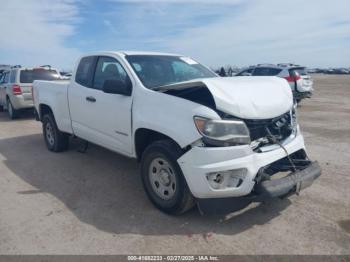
54,94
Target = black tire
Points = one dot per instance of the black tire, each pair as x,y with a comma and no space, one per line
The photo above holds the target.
55,140
181,199
12,113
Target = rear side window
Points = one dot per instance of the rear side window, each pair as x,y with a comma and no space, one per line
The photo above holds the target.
29,75
13,76
245,72
6,77
301,70
266,71
84,72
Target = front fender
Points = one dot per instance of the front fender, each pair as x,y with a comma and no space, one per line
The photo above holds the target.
169,115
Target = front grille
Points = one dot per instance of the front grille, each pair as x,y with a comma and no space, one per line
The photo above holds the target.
279,127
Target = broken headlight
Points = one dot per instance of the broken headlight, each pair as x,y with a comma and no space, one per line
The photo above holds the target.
222,132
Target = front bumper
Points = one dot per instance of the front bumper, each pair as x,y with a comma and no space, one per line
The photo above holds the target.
198,162
290,184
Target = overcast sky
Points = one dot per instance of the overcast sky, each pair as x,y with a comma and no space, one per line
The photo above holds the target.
236,32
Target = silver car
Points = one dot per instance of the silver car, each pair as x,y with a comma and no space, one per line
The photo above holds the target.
297,77
16,87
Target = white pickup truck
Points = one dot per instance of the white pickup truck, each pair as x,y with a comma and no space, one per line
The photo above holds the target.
218,142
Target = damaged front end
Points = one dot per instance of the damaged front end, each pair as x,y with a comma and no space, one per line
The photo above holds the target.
253,150
195,91
279,179
269,134
286,176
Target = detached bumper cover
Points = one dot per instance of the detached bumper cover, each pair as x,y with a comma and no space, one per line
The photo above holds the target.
200,161
292,183
264,190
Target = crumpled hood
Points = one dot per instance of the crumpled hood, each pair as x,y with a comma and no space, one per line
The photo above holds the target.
251,97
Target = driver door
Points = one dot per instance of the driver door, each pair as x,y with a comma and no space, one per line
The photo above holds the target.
99,117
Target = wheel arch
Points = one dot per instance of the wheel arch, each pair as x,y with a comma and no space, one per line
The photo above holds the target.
44,109
143,137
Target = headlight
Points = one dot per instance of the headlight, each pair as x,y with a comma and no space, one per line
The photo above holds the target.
223,132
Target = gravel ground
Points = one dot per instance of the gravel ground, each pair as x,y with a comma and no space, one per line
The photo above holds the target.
93,203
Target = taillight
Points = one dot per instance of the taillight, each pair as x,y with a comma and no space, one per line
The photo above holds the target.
294,78
297,76
289,78
16,90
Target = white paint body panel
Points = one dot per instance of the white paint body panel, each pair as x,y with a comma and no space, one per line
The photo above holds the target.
106,122
251,97
54,94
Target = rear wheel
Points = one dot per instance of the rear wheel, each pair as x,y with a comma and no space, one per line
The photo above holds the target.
55,140
13,113
163,179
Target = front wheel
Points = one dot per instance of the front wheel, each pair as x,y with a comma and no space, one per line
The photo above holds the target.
55,140
163,179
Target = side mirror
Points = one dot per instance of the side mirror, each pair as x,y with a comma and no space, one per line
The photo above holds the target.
117,87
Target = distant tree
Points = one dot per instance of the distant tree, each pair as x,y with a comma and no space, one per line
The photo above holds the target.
230,71
222,72
227,68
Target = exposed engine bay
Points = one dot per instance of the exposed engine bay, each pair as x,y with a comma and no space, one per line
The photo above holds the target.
263,132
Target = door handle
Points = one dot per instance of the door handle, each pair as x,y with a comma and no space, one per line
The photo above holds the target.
91,99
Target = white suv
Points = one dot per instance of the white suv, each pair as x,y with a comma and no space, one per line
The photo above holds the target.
16,87
297,77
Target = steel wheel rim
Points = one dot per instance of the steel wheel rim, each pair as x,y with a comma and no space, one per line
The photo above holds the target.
49,134
162,178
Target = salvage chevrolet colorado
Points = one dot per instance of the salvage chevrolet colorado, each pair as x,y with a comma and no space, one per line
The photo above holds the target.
220,143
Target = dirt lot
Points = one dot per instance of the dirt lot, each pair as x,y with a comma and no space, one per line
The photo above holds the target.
93,203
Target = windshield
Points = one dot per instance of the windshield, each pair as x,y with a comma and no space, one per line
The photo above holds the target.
29,75
158,70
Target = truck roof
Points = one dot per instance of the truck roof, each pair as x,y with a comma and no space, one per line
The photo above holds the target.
125,52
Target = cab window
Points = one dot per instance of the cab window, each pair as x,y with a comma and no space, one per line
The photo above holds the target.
108,68
84,72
